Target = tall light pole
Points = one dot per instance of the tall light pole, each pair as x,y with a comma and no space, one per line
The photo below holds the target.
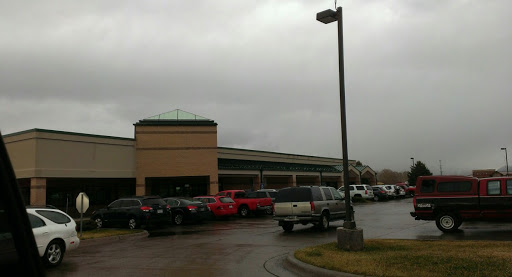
327,17
412,161
506,158
349,237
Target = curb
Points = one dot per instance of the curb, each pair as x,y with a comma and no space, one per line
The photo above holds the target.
113,238
306,270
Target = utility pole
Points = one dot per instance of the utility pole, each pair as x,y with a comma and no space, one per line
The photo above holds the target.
440,167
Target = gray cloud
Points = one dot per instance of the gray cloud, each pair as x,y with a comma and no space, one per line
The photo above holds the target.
424,79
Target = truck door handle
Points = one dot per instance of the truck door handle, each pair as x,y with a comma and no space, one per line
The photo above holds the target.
295,206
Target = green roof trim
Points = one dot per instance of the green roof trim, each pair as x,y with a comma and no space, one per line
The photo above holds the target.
177,117
233,164
279,153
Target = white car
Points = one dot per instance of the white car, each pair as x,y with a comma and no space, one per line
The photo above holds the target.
54,232
361,191
390,190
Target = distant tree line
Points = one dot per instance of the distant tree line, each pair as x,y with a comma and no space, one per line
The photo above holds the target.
388,176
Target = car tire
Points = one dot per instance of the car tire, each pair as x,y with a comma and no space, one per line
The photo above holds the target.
288,227
177,219
132,223
269,211
99,222
448,222
324,222
54,253
243,211
376,198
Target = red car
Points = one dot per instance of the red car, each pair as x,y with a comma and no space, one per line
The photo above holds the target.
221,206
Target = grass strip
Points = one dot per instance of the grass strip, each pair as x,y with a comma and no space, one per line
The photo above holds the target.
415,258
101,233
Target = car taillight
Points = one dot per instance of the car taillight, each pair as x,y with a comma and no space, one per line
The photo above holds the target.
312,206
190,207
365,192
168,207
382,191
146,208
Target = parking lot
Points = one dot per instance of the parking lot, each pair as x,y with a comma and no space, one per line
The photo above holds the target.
253,246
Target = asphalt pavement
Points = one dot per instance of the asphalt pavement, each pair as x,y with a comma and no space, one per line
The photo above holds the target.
253,246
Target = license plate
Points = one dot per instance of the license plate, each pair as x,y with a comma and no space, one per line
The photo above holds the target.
231,206
160,211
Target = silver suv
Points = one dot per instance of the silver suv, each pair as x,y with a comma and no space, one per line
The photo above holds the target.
309,204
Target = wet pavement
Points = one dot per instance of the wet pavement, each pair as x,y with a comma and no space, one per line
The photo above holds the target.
253,246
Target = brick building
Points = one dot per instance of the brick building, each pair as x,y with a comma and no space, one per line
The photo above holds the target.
171,154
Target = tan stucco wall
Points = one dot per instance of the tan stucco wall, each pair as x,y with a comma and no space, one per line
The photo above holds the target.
22,152
173,151
62,154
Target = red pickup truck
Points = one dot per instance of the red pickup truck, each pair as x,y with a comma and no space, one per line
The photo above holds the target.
450,200
248,205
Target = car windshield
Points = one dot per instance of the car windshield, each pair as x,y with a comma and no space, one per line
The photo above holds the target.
226,200
188,202
153,201
202,199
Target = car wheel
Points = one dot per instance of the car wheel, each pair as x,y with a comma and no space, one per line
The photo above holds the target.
447,222
288,227
54,253
132,223
243,211
375,198
324,222
178,219
99,222
269,211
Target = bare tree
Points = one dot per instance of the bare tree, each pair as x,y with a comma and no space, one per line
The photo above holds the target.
388,176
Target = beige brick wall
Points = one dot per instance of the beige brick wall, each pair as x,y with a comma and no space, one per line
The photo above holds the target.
172,151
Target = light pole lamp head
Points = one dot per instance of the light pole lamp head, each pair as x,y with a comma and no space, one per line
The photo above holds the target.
327,16
503,148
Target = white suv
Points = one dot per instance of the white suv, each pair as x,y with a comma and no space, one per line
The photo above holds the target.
54,232
361,191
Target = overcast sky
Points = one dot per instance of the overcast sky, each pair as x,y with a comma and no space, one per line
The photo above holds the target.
424,79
